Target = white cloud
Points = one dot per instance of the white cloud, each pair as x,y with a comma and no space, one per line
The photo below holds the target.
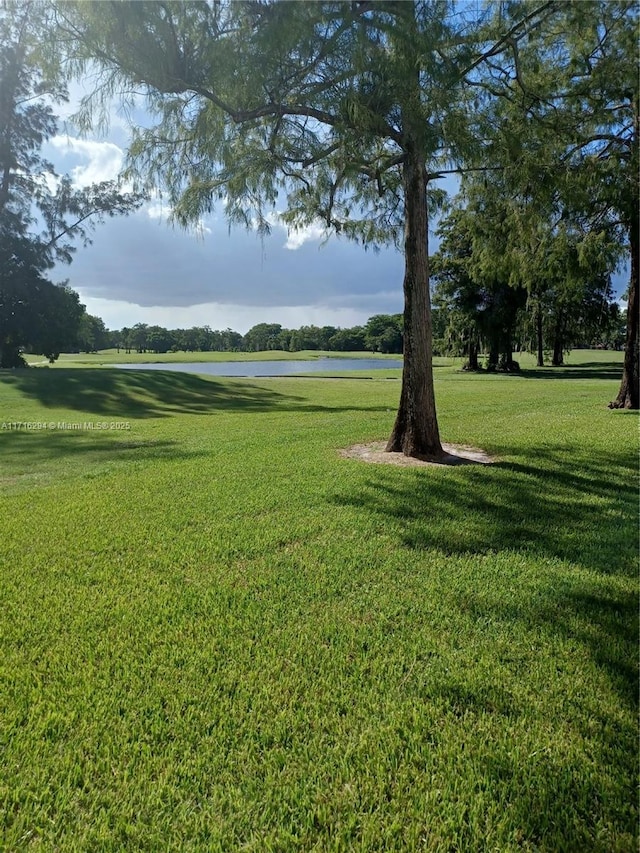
240,318
158,210
296,237
299,236
102,160
47,181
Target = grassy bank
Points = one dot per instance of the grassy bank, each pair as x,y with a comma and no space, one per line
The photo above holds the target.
112,356
219,635
590,359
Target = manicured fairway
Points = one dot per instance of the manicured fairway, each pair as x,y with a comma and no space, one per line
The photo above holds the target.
112,356
218,635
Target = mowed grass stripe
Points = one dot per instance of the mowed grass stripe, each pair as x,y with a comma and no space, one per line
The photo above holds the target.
219,635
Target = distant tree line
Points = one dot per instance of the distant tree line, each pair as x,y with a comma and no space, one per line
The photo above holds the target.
469,320
382,333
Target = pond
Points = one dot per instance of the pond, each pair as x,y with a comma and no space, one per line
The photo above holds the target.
270,368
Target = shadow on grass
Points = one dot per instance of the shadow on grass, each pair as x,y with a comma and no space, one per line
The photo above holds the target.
609,370
606,624
153,393
569,506
141,393
26,450
566,504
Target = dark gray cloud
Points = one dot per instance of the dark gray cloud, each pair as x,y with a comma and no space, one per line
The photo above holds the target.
142,261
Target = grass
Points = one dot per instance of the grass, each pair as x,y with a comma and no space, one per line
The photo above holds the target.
113,356
219,635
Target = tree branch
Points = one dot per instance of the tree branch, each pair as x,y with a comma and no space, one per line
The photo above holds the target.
510,36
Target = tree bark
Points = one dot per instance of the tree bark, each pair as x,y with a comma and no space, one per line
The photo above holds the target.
540,360
628,394
508,350
10,356
473,352
415,432
494,351
557,359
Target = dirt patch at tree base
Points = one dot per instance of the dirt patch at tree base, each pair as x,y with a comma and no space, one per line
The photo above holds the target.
455,454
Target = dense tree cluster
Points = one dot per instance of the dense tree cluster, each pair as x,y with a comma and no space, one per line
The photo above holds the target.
382,333
560,164
459,331
493,296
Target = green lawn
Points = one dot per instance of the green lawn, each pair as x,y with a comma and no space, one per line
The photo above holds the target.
112,356
218,635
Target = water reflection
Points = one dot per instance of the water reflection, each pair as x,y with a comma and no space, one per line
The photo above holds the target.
270,368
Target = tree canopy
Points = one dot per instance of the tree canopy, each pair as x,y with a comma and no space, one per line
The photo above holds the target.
564,134
41,213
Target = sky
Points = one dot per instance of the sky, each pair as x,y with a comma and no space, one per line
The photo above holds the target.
142,269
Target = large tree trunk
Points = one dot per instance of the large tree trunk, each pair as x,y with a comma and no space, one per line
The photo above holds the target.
10,356
628,394
540,360
473,351
557,359
415,432
508,349
494,351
